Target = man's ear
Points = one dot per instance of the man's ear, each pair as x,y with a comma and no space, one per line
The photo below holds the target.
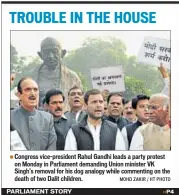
47,106
18,95
85,106
39,54
165,108
135,111
63,53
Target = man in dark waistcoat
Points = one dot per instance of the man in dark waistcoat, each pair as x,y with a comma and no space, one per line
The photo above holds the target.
115,109
93,132
140,105
54,100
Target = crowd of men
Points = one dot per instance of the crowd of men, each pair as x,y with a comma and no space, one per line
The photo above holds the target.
96,120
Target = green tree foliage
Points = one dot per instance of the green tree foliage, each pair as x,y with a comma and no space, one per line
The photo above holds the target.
134,87
112,52
83,80
149,75
17,63
94,53
26,66
13,57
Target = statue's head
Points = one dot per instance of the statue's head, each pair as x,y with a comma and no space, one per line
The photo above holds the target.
51,52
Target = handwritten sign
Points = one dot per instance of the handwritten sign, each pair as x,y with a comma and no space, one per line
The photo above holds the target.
155,51
109,78
16,142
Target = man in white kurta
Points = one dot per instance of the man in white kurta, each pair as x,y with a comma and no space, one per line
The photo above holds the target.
156,134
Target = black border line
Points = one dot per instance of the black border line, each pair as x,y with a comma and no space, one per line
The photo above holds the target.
74,2
89,2
1,97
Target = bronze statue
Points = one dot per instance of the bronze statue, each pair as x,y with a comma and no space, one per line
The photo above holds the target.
53,73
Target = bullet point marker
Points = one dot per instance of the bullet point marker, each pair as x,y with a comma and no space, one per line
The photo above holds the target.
11,156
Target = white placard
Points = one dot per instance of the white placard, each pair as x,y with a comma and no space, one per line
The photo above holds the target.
108,78
16,142
155,51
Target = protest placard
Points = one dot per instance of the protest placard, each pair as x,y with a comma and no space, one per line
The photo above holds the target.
154,51
108,78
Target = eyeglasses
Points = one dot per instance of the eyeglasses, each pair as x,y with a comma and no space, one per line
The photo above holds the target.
153,107
76,93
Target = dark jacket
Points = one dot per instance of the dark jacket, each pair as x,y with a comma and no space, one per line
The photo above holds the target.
62,127
84,137
130,130
121,122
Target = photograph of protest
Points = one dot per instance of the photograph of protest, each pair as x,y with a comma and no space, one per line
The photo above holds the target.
90,90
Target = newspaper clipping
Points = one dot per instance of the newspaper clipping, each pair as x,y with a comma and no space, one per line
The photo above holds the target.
89,103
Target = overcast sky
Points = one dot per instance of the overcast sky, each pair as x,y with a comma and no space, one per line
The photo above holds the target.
27,43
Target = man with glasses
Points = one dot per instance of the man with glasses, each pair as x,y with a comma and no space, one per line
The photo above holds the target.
140,108
34,127
128,111
154,135
76,102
